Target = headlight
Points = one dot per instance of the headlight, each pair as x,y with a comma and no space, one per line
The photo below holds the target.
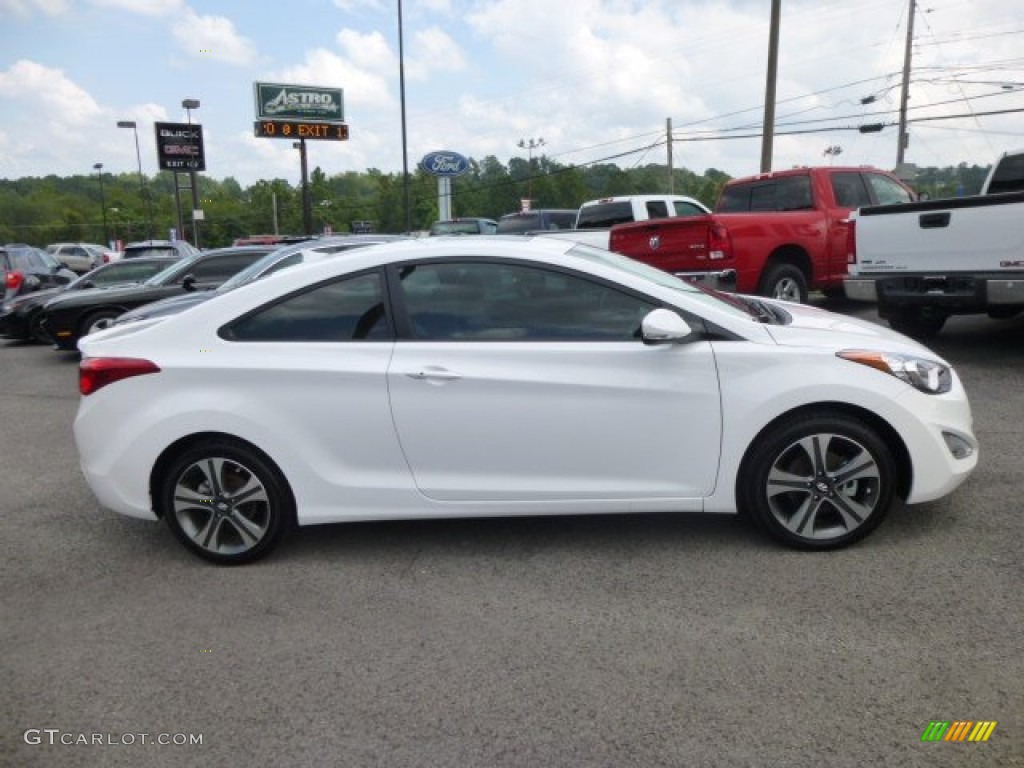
928,376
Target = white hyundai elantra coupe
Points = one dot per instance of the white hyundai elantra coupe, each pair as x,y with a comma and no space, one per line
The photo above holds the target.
509,376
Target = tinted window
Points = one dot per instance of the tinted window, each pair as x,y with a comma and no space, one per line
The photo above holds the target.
656,209
121,272
788,193
603,215
687,209
343,310
887,191
151,250
220,268
1009,175
464,301
849,190
519,222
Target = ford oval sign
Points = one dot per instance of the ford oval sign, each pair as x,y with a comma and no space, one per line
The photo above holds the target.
444,163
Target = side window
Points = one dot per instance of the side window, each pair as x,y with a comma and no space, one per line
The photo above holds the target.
849,190
463,301
887,191
734,200
287,261
657,209
1008,175
220,268
687,209
351,309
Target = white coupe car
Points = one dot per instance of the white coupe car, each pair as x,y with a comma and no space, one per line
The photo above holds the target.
494,376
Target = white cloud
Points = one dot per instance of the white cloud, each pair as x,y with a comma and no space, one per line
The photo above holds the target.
25,8
368,51
363,87
432,50
213,37
143,7
50,90
351,6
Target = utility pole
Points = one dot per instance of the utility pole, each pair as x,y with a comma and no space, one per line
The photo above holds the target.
668,140
904,138
307,200
768,133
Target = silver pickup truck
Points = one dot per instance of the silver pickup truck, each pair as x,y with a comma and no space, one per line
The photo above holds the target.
925,261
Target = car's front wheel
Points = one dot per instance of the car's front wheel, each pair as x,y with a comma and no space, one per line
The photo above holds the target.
97,321
818,481
225,501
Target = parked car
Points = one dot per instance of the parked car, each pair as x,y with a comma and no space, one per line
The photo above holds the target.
80,257
178,249
20,317
286,256
467,226
27,269
452,377
70,316
536,220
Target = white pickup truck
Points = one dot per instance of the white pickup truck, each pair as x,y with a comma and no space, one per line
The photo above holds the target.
925,261
596,217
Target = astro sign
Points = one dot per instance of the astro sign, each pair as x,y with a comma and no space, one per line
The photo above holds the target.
308,103
444,164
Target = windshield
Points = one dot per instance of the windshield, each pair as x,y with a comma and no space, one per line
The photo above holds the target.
722,301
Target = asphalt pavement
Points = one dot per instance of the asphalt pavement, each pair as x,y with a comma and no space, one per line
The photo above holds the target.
651,640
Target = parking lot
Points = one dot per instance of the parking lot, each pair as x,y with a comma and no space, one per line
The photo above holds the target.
652,640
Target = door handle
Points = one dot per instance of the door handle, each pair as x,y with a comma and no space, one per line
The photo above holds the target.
434,374
934,220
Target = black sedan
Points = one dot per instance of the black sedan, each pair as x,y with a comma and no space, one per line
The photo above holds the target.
19,317
68,317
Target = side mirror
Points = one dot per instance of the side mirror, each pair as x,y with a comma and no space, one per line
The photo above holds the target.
189,283
663,326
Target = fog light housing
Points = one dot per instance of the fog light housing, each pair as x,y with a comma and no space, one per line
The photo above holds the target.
960,448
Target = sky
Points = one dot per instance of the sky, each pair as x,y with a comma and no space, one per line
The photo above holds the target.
583,81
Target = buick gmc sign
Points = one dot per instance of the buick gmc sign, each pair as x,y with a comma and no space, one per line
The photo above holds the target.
444,163
179,147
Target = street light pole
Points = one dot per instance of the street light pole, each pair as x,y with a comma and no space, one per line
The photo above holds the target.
529,145
98,167
189,105
307,204
142,184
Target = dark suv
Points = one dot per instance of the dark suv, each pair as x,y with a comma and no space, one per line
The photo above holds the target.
28,269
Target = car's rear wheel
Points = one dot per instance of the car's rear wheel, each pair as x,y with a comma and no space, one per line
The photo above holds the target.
818,481
784,282
97,321
226,502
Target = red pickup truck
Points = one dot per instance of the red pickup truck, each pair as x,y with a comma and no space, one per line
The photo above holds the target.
777,234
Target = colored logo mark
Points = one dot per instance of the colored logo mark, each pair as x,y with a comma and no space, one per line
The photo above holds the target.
959,730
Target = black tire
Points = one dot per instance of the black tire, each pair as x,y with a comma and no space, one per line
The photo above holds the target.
919,322
97,320
226,502
795,482
35,328
785,282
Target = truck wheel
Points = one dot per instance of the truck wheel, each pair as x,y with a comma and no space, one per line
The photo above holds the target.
784,282
919,322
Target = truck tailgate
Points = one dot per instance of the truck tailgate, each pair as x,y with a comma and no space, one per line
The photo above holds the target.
675,245
957,235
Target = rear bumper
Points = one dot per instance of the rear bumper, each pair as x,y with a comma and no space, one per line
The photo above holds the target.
957,293
721,280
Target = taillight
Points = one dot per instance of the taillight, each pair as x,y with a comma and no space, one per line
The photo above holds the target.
94,373
719,242
14,280
851,242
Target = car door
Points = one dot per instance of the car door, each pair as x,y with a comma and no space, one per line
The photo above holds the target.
519,382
